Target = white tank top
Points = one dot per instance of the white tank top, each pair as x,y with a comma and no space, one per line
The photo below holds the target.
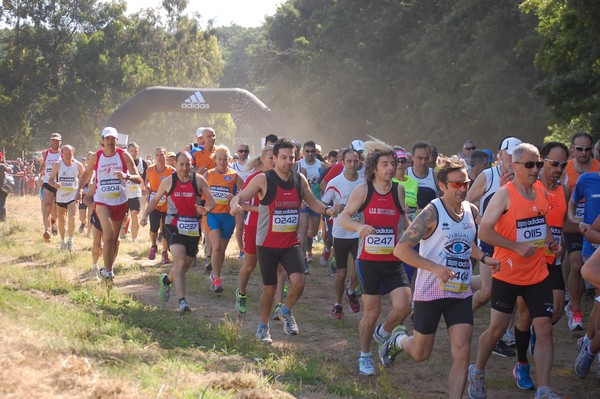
449,246
68,177
110,190
492,179
313,172
134,190
243,171
338,191
427,189
51,159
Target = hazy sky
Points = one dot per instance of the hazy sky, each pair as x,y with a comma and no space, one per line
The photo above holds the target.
248,13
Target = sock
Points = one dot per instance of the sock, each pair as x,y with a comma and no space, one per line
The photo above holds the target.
181,300
522,339
349,291
284,310
261,325
382,333
70,239
399,340
338,304
365,354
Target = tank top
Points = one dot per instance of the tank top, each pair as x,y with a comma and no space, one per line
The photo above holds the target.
154,179
134,190
243,171
411,188
338,191
181,207
557,208
221,185
427,190
251,219
50,160
449,245
571,177
110,190
524,221
313,173
492,179
68,177
383,212
278,212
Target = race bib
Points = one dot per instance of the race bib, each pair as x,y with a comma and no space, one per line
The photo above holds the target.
462,275
381,242
220,194
532,230
132,188
579,212
161,201
556,236
285,220
188,226
110,188
67,183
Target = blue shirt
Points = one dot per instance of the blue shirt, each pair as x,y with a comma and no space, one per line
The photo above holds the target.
588,188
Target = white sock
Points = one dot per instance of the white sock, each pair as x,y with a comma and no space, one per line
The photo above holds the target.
365,354
381,331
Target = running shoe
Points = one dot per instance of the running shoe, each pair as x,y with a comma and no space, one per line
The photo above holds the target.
353,302
184,307
107,278
547,393
276,312
581,341
242,255
333,268
391,349
81,228
160,236
263,334
95,271
207,265
502,350
165,257
152,252
306,271
358,292
54,229
240,303
63,246
290,327
309,259
584,360
337,312
164,291
521,374
366,366
46,236
380,340
574,319
325,257
476,384
509,339
70,247
215,284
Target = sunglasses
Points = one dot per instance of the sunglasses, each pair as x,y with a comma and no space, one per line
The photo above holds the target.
458,184
532,164
583,149
470,148
244,151
556,164
403,160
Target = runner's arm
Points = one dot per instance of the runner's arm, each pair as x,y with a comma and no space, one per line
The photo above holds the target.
477,189
134,176
355,201
257,185
210,201
163,189
53,175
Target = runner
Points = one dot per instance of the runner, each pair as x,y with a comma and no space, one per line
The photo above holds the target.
515,223
155,175
243,168
64,178
48,193
112,166
224,182
182,228
555,157
310,220
447,235
380,204
582,162
281,191
85,212
135,190
263,163
423,174
345,242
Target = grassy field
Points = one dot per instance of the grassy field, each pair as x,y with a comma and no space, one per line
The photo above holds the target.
63,336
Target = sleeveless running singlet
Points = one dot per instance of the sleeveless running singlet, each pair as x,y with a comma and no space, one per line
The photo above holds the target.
110,190
557,208
449,245
278,212
525,222
427,189
51,159
68,177
221,185
181,207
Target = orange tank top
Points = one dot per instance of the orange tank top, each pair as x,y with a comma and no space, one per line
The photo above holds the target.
557,209
221,185
154,178
525,222
571,174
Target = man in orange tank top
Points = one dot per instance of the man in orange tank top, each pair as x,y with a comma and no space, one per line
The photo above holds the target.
581,162
515,224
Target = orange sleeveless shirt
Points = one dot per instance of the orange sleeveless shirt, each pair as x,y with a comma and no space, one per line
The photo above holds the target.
154,178
525,221
221,184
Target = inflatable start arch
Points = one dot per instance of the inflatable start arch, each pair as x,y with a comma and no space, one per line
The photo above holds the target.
244,107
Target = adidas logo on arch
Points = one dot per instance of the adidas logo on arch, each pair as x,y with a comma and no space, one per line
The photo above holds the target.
195,101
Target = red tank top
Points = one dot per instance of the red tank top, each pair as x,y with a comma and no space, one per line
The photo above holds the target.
524,221
279,211
383,212
181,207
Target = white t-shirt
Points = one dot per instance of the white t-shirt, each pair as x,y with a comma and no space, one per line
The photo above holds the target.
243,171
338,190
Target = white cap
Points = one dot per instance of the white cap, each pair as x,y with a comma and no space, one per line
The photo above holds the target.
509,144
110,132
357,145
199,131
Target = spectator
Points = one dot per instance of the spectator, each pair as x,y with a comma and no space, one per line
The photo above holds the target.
4,189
